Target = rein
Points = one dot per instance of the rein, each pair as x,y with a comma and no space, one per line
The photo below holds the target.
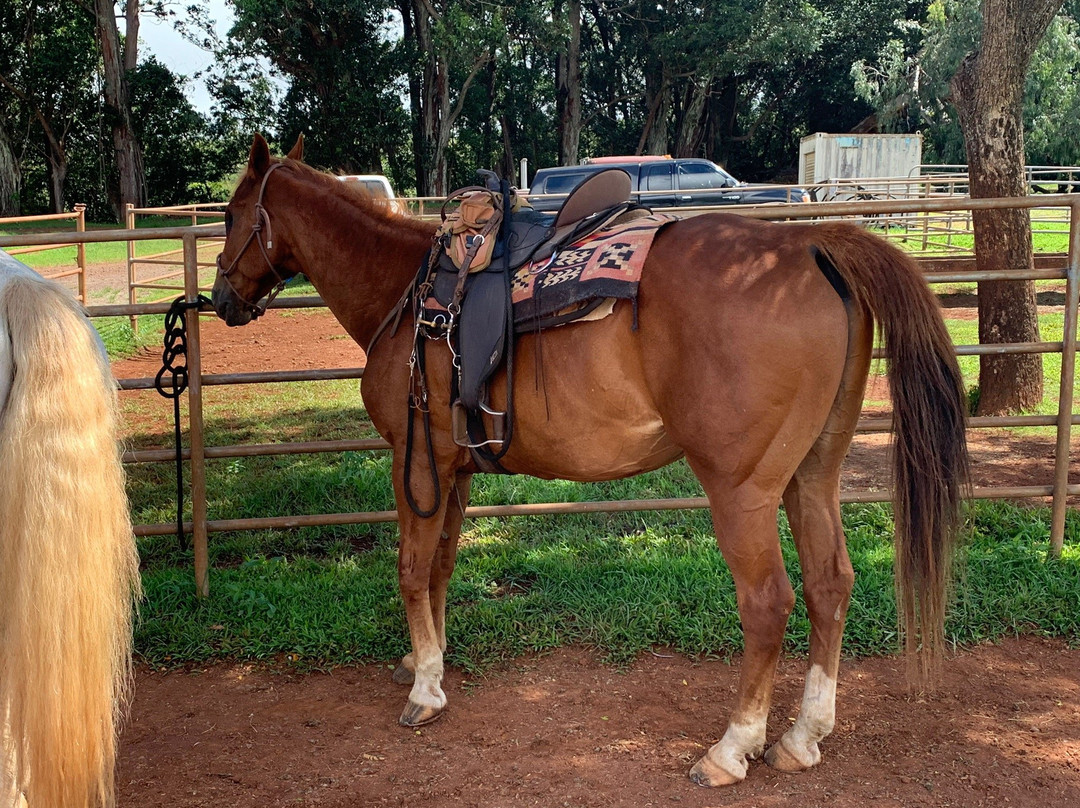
262,219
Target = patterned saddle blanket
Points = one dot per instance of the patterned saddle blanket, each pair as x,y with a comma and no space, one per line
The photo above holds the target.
575,281
603,265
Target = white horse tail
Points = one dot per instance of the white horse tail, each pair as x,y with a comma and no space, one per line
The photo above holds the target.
68,566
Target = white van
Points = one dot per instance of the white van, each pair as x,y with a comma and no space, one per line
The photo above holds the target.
378,186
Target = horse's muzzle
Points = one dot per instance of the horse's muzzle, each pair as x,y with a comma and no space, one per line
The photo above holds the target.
228,306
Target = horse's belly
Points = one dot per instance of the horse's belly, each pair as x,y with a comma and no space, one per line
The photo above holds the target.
591,451
587,414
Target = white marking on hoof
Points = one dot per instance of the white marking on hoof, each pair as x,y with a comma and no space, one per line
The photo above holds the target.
816,720
730,755
426,690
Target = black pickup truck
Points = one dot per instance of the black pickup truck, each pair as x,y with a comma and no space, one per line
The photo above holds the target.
661,183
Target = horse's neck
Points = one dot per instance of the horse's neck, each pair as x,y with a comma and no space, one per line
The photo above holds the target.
360,263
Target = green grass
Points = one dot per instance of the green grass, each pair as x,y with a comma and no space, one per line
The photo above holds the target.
620,584
1046,237
1051,329
96,253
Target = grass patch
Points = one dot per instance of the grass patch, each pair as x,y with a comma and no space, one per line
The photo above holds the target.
96,253
1051,329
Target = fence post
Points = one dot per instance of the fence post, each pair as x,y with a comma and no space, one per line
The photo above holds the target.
129,221
80,252
195,420
926,222
1065,396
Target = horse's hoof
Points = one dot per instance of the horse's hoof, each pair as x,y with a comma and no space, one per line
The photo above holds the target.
417,715
782,759
403,676
708,774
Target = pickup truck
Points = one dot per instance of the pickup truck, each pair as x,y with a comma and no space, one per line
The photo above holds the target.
661,182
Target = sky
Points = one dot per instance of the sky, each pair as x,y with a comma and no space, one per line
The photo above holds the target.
180,56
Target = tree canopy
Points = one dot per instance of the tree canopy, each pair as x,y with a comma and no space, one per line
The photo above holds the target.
428,90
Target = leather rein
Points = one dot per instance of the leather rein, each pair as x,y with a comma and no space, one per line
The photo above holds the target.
262,221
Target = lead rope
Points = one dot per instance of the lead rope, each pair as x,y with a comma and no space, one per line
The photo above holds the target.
175,348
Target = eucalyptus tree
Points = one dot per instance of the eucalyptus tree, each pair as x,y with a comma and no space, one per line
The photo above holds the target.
48,69
988,91
994,84
119,56
672,71
343,65
450,43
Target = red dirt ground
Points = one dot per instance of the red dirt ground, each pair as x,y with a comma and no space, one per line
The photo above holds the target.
564,730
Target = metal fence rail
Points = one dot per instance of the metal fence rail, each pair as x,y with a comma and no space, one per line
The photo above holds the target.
197,453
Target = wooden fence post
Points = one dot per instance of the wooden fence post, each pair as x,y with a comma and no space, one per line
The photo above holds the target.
80,252
129,222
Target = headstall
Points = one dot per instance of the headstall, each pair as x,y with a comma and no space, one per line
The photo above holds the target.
262,221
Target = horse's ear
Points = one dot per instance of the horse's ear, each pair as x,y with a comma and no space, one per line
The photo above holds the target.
259,159
297,151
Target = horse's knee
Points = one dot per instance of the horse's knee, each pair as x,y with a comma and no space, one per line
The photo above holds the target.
414,575
766,606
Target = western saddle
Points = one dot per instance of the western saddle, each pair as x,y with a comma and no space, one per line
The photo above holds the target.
463,294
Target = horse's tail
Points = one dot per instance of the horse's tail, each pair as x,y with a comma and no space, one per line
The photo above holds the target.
68,565
930,457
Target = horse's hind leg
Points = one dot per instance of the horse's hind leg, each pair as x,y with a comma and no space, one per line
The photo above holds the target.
747,535
442,567
812,501
813,508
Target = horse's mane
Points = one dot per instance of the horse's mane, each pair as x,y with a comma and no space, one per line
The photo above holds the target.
345,194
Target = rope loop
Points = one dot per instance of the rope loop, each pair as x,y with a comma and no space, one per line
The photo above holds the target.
174,366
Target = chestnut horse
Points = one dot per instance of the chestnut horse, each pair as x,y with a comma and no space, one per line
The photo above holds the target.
68,566
749,359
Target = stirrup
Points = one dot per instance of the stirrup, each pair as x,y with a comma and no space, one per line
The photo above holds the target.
459,420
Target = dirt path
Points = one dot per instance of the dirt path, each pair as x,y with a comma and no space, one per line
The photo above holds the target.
563,730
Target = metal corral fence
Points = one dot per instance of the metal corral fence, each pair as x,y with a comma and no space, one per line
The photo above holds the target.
167,280
78,218
921,232
198,453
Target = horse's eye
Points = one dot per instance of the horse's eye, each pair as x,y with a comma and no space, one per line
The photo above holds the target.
228,221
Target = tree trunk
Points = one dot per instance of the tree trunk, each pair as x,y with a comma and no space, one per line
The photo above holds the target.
691,129
432,93
568,88
410,13
131,185
10,177
57,170
987,91
654,135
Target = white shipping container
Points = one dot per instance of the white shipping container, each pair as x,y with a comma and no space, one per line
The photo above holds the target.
824,158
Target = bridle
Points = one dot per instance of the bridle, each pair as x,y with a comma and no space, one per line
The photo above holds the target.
262,220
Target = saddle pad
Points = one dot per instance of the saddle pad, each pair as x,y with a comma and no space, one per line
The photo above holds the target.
604,264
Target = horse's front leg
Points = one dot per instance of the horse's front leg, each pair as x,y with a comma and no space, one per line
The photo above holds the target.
420,542
442,568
